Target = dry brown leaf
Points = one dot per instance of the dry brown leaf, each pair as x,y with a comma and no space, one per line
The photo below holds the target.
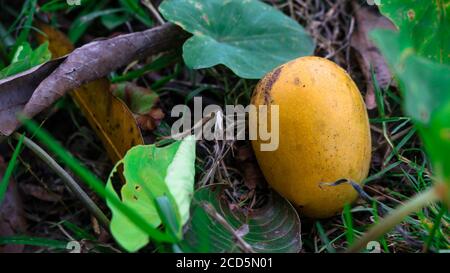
366,21
12,219
249,167
97,59
85,64
40,192
109,117
16,91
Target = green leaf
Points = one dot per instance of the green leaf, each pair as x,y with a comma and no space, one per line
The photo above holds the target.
79,233
158,64
85,19
112,21
83,22
424,81
152,173
25,58
29,10
248,36
424,25
140,100
92,181
425,84
419,55
133,7
54,6
272,228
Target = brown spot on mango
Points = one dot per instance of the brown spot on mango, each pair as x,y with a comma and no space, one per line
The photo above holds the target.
269,82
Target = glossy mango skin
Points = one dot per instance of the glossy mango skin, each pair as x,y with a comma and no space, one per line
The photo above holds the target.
324,135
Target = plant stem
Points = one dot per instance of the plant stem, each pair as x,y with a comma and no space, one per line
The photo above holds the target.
68,180
240,241
154,11
385,225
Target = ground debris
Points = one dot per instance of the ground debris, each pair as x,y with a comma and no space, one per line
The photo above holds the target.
12,220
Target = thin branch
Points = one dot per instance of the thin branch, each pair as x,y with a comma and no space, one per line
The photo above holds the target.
154,11
68,180
214,214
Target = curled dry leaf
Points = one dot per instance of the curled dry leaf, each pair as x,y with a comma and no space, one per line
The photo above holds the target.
15,92
42,193
12,220
90,62
109,117
152,120
369,55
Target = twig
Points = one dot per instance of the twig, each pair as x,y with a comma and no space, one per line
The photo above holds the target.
188,132
213,213
67,179
154,11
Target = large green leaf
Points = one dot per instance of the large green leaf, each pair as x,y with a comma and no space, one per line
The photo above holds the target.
274,227
425,84
425,25
419,55
151,173
248,36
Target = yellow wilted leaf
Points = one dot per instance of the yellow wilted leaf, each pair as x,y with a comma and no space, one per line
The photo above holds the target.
109,117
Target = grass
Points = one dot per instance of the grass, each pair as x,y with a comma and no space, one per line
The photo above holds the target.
26,28
324,238
10,169
348,223
376,218
34,241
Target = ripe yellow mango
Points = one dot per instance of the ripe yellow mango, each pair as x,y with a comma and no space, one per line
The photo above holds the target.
324,135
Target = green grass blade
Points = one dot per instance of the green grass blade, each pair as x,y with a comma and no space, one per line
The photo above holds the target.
23,36
376,218
324,238
157,64
80,233
436,224
9,171
33,241
348,223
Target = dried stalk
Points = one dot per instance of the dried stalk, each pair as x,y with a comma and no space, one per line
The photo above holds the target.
68,180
